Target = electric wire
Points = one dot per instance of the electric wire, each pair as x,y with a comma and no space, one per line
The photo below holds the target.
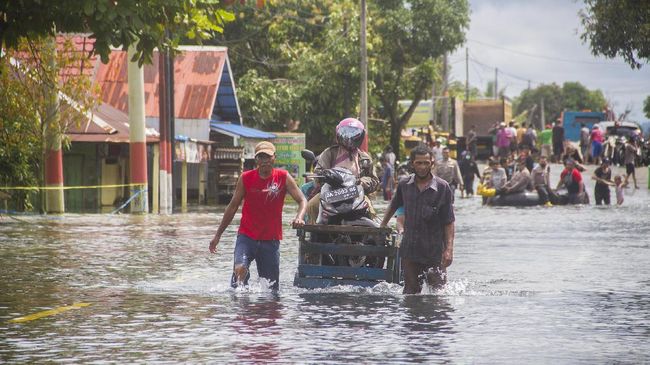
548,58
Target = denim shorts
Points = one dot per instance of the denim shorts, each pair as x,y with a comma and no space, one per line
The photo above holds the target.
266,255
596,149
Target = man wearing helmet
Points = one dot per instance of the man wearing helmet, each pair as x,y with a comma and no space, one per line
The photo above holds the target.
350,133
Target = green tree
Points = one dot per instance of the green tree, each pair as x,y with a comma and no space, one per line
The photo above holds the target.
408,39
154,23
296,61
489,90
531,100
571,96
456,89
29,74
299,60
577,97
646,106
618,28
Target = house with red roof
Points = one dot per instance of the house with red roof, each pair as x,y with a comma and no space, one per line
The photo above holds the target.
205,109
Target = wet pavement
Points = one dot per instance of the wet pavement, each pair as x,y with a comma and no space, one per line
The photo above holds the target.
541,285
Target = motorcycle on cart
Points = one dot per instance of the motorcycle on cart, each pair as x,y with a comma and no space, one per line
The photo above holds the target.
345,246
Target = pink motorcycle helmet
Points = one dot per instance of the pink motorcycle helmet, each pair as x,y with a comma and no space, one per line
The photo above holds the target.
350,133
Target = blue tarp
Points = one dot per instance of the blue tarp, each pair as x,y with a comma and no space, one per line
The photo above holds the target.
236,130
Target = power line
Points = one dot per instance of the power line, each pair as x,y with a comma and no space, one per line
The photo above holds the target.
478,73
548,58
507,73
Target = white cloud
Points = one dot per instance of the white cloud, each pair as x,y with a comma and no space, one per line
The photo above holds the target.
502,32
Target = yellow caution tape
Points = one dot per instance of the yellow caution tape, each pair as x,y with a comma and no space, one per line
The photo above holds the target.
66,187
49,312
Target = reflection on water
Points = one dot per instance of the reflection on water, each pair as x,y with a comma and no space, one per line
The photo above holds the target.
524,281
257,328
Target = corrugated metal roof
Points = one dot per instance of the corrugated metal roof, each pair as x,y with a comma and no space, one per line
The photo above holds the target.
82,46
226,109
197,74
107,125
235,130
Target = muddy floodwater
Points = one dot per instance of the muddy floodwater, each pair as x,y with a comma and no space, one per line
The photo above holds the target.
559,285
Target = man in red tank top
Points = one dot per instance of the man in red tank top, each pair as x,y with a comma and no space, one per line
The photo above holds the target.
260,230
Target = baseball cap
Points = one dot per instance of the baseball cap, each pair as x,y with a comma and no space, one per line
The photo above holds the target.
265,147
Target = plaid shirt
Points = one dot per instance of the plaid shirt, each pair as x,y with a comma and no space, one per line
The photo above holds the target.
426,213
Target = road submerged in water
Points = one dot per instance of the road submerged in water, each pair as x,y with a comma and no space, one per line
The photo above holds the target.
542,285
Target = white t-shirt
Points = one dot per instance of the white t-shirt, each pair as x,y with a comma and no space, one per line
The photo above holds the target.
437,153
390,157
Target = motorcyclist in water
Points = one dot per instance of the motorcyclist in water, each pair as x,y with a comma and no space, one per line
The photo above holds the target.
350,133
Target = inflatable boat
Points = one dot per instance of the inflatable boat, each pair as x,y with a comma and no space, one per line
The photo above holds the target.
524,199
531,198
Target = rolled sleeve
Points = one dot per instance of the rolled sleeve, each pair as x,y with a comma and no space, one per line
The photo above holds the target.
446,210
398,199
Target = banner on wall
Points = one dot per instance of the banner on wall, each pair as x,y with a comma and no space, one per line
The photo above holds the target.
192,151
287,154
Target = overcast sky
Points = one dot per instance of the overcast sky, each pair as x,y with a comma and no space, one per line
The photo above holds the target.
538,40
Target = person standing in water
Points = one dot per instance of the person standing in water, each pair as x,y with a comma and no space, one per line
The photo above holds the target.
603,177
572,180
260,230
630,159
427,248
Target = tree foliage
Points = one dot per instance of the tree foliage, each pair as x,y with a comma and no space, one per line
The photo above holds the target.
618,28
30,74
296,62
409,38
299,60
572,96
155,23
456,89
646,106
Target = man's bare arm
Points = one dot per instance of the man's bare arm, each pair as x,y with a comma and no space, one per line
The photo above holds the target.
448,253
229,214
296,194
390,212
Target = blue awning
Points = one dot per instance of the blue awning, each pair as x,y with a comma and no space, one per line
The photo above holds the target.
236,130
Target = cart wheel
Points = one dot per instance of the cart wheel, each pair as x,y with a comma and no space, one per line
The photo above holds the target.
373,261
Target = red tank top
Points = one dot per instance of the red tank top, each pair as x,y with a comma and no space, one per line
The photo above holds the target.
261,217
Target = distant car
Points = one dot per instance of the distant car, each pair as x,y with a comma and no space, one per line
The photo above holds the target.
624,129
615,137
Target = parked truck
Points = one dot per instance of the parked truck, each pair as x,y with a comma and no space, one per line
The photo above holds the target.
482,114
572,122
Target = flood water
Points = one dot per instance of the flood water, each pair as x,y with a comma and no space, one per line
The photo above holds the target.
528,285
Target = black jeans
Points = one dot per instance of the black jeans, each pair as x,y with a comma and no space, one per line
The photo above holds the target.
543,192
469,184
602,196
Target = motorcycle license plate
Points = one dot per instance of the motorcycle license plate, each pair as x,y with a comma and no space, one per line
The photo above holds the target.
341,194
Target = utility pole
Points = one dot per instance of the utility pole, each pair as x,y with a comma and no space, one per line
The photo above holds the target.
364,76
541,113
53,153
466,74
162,127
445,96
528,84
433,104
137,136
496,83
